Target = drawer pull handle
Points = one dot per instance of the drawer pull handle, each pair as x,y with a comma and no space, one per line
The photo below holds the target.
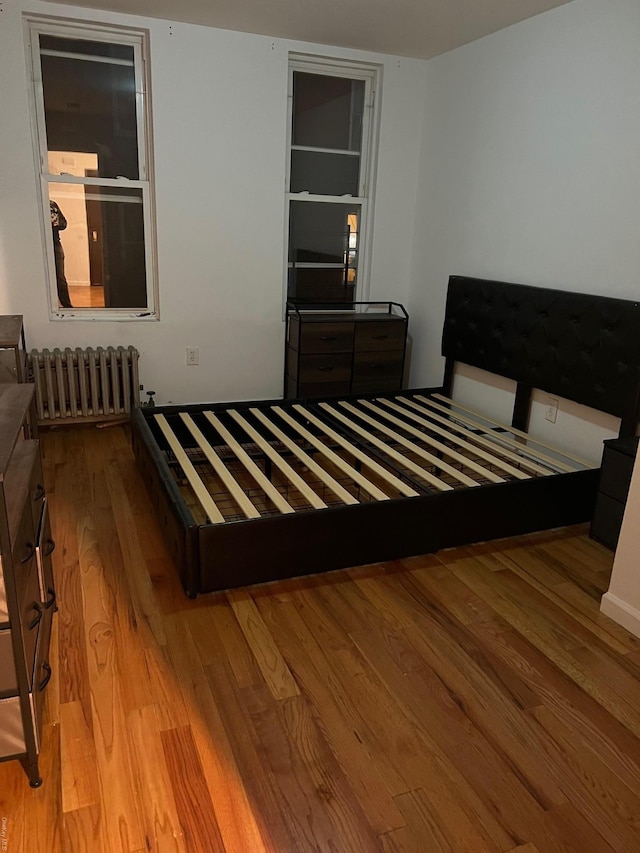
328,338
36,619
380,337
49,548
31,550
328,367
51,600
47,676
39,492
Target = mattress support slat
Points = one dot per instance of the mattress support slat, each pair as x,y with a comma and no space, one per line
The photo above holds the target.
206,501
333,457
527,455
283,466
260,478
220,468
422,473
311,464
515,431
391,479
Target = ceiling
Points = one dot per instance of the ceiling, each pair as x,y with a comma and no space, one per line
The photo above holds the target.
417,28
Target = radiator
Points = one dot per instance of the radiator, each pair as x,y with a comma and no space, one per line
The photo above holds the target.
85,384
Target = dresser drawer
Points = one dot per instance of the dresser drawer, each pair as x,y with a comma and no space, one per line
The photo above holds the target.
334,367
323,389
375,335
607,520
615,478
8,680
372,366
12,740
326,337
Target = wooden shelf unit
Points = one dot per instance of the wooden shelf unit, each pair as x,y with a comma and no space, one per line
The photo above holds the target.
27,589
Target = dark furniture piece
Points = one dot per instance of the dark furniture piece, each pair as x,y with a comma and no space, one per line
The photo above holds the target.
615,477
585,348
13,352
27,592
338,351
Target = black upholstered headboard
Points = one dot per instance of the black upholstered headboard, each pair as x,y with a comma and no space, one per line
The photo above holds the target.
581,347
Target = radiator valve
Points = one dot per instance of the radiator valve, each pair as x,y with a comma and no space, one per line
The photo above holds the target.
150,401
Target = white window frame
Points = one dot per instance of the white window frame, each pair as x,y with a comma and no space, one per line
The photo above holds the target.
138,39
372,77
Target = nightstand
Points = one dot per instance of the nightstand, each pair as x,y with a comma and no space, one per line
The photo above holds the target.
615,476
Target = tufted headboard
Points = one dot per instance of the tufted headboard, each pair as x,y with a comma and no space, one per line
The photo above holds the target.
581,347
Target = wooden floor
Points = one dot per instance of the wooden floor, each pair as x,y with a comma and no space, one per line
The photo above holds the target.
474,701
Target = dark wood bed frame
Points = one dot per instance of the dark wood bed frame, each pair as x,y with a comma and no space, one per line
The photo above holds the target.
580,347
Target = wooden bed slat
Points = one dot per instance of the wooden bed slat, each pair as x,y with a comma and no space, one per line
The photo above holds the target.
399,457
307,460
432,442
514,431
220,468
294,478
495,439
382,472
254,471
333,458
206,501
460,442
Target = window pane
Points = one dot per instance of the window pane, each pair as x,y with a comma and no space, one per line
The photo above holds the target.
327,111
90,103
324,174
98,240
323,251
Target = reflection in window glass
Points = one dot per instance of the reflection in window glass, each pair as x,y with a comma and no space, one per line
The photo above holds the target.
98,241
323,251
90,103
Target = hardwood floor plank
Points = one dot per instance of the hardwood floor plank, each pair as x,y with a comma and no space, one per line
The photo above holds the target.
155,783
120,816
43,806
82,831
193,800
346,731
80,784
231,806
274,670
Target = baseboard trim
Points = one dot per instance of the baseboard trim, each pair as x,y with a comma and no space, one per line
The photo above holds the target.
621,612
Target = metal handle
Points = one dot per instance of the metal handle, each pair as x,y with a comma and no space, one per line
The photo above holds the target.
328,337
47,676
36,619
31,550
39,492
380,337
51,600
330,367
49,548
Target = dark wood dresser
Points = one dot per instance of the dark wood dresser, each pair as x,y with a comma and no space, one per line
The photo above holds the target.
358,351
27,592
615,476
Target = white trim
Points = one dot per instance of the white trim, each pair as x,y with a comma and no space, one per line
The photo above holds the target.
621,612
327,199
87,57
315,150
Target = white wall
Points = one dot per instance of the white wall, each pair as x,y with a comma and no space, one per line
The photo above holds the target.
530,172
219,130
622,601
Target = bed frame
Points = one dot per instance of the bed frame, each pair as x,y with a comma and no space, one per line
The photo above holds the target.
254,492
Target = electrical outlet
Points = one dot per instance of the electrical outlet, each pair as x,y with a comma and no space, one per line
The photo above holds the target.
193,355
551,412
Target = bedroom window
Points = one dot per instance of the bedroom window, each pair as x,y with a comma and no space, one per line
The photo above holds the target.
91,134
329,194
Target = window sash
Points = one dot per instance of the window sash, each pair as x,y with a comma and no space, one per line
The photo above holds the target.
35,27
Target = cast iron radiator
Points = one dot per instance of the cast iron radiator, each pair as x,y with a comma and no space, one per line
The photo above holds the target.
85,384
